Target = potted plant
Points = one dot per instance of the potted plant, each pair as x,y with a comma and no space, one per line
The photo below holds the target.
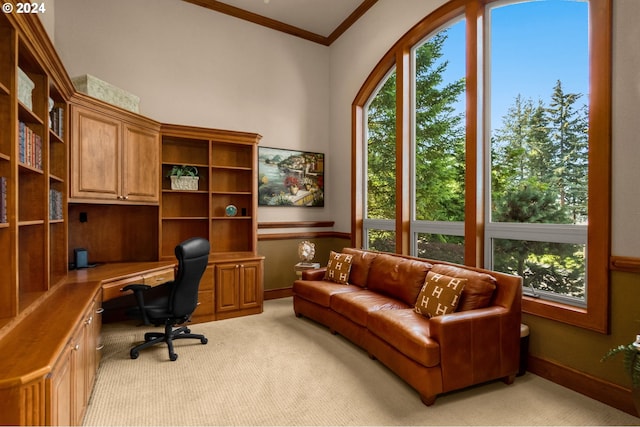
631,363
183,177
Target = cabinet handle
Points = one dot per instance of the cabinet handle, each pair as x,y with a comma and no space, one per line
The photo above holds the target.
160,279
100,310
100,347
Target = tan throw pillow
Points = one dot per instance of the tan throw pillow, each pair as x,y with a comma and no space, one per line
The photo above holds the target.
439,295
338,268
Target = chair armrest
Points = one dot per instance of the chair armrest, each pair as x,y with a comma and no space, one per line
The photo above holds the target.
477,345
314,274
135,287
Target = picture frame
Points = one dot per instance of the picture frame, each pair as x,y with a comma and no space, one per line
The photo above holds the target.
290,178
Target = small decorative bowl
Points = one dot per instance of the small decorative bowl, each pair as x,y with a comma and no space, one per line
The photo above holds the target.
231,210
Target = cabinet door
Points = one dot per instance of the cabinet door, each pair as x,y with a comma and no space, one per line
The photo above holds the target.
140,165
227,287
238,287
80,371
60,393
95,156
251,293
94,343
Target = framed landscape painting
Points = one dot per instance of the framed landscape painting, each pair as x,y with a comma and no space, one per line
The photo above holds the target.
290,177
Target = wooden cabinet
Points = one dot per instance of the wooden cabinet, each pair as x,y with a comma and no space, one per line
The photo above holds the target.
72,378
49,359
227,169
238,288
115,154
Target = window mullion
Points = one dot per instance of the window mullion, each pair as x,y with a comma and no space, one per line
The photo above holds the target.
403,135
474,212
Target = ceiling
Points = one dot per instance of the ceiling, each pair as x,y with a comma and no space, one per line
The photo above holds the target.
320,21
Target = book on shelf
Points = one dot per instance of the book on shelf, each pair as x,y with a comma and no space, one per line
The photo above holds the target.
3,200
56,119
30,147
56,205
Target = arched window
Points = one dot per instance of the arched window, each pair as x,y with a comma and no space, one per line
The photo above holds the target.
483,138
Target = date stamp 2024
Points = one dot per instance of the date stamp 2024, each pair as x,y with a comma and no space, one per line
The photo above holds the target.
22,8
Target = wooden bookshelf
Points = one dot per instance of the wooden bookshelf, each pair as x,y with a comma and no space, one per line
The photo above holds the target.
33,166
227,167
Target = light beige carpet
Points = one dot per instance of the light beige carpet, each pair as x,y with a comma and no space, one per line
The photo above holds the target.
276,369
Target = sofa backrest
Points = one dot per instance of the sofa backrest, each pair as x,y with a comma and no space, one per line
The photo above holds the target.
478,290
398,277
360,265
387,275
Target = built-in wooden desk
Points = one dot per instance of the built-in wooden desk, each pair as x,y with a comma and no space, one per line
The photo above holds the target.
114,276
49,355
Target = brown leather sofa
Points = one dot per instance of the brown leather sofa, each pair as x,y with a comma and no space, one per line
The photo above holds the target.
479,342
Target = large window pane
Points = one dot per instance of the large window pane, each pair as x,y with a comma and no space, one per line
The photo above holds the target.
439,117
381,152
539,112
539,69
556,268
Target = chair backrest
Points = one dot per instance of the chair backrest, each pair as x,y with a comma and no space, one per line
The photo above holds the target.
193,257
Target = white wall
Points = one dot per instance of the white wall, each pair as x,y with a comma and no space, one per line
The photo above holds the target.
197,67
626,129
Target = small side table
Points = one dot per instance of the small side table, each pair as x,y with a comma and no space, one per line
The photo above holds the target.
301,266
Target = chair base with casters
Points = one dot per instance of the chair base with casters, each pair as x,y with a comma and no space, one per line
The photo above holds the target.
170,334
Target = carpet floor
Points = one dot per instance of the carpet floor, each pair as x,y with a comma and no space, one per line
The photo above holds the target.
276,369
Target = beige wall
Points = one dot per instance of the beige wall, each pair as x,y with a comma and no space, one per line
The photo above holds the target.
193,66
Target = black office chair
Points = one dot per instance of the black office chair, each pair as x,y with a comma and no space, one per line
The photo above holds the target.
177,303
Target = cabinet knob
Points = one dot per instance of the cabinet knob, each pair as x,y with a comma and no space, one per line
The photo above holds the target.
89,320
76,347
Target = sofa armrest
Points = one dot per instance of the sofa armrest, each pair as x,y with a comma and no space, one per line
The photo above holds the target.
477,345
314,274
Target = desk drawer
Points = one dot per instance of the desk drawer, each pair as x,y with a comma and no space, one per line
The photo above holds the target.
158,277
113,289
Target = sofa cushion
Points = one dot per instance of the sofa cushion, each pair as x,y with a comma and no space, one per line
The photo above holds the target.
478,290
439,295
338,267
398,277
356,306
408,332
360,266
320,291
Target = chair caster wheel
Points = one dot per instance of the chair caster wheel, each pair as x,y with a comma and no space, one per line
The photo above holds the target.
173,357
204,340
134,354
